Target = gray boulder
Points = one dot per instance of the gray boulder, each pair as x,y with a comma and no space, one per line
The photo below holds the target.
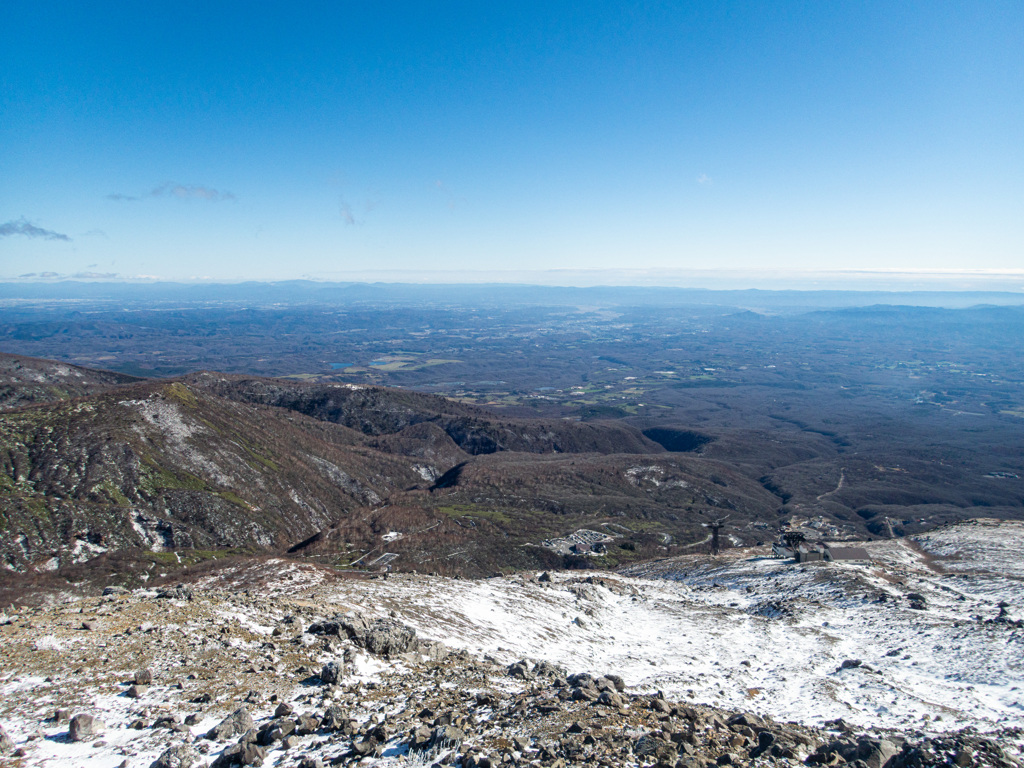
520,669
649,745
180,756
243,753
6,742
331,673
307,724
84,727
235,724
334,718
385,637
610,699
876,752
447,737
177,592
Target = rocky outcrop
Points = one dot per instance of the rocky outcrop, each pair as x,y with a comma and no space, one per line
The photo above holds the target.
385,637
238,722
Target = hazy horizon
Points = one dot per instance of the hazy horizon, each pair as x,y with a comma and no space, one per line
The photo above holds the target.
868,281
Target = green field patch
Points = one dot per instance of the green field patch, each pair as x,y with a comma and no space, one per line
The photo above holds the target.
110,491
640,526
471,510
234,498
156,478
266,462
181,393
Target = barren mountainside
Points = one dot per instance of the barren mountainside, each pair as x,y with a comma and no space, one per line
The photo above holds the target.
115,471
212,462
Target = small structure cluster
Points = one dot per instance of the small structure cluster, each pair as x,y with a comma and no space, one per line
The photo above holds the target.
793,544
582,542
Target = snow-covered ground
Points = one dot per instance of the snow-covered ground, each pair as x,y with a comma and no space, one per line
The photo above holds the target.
919,628
748,632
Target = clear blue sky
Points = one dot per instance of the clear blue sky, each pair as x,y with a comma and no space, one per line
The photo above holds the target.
269,140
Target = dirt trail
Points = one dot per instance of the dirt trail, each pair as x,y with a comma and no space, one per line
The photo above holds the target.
839,485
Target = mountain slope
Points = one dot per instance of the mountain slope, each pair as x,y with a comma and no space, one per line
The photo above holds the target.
160,466
383,411
29,380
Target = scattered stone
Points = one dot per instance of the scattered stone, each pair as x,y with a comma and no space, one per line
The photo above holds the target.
6,742
334,718
520,669
306,724
143,677
177,592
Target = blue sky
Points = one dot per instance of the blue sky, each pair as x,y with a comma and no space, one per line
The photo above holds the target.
272,141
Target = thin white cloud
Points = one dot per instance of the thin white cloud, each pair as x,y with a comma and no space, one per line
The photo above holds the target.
189,192
704,179
174,190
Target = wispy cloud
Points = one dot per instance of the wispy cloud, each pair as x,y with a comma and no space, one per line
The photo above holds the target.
24,227
451,200
704,179
177,191
348,214
187,192
83,275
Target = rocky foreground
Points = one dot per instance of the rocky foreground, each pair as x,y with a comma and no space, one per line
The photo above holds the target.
201,675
